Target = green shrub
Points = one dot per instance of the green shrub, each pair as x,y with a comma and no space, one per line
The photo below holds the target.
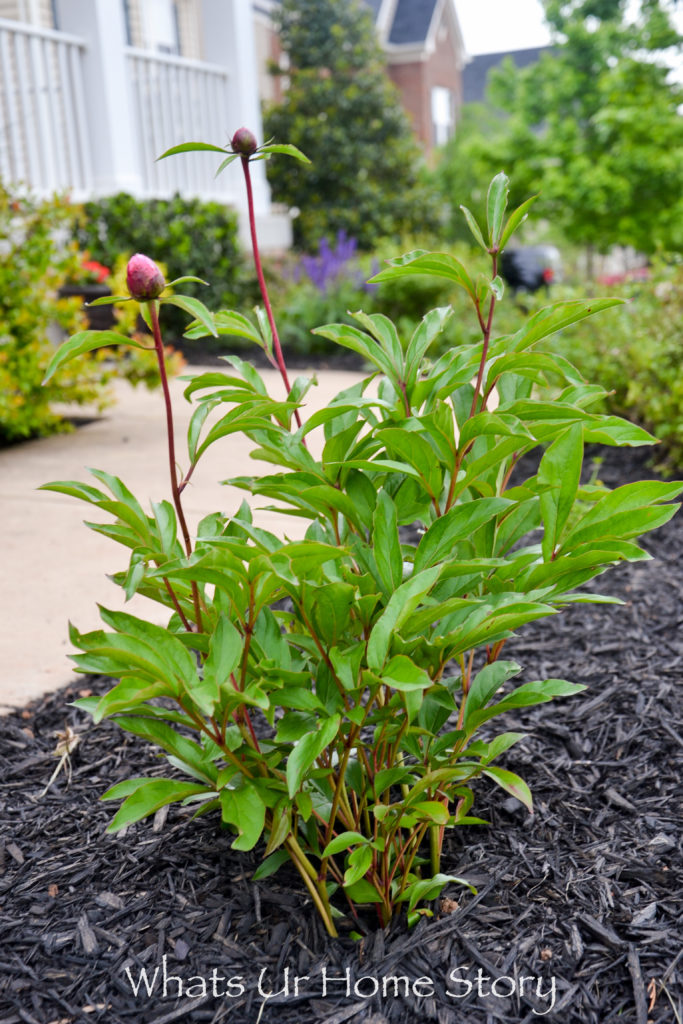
33,265
335,695
634,352
182,231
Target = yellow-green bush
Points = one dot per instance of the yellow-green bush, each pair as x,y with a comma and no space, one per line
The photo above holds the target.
34,262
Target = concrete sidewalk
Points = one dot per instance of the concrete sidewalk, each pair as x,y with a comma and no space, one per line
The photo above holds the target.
54,568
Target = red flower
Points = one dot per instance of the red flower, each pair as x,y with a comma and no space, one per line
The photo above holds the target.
96,270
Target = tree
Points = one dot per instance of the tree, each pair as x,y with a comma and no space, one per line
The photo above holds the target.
343,112
594,126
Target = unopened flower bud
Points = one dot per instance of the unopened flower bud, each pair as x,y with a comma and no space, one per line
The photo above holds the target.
244,142
144,279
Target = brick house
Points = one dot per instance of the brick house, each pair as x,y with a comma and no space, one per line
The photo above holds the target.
425,57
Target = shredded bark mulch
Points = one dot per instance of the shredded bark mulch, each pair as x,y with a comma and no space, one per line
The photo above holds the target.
578,911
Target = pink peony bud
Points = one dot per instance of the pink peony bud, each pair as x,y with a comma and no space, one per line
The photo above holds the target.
144,279
244,142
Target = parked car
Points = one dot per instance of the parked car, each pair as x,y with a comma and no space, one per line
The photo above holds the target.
531,267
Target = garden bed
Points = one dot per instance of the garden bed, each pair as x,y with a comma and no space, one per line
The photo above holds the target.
582,899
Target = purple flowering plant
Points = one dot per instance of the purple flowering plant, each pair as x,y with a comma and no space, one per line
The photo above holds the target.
333,264
334,698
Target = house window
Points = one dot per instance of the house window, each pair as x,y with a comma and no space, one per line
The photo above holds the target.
160,26
443,115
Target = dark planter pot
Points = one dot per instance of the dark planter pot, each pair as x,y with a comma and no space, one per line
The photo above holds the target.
100,318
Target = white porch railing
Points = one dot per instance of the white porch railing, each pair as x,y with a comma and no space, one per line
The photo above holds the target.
44,140
81,112
179,100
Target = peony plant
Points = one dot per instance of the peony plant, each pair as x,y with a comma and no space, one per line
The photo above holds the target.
336,698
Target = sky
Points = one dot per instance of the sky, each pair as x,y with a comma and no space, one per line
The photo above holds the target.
492,26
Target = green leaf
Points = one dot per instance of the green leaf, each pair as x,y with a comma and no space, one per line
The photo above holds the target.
306,750
386,545
252,377
429,888
165,518
432,810
251,417
232,324
244,809
429,328
403,674
346,663
75,489
226,163
433,264
400,607
197,421
306,555
82,342
362,892
514,220
383,331
555,318
496,202
360,342
134,576
270,865
185,280
528,695
622,525
123,655
330,610
462,521
497,286
418,453
127,695
194,759
147,797
108,300
626,512
486,684
195,308
390,777
616,431
499,745
474,228
492,424
287,150
560,472
225,651
344,841
512,784
161,643
192,147
359,861
281,825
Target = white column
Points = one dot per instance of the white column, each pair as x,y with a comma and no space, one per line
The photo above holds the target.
228,39
108,96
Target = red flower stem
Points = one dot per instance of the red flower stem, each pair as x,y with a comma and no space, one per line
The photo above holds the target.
159,346
277,348
486,329
176,604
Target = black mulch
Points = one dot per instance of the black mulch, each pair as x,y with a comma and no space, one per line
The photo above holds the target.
582,899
